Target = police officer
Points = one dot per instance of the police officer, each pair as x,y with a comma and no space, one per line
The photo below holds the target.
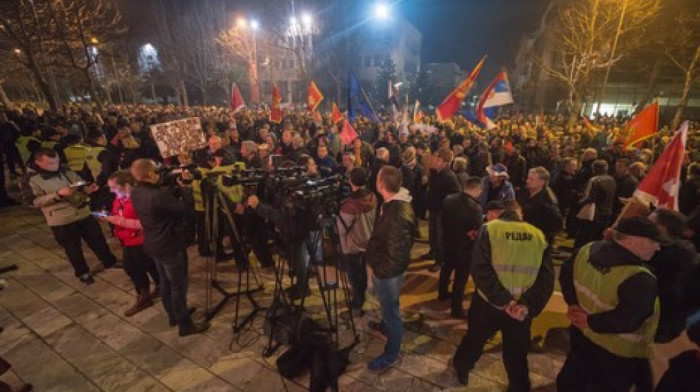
614,311
514,278
75,152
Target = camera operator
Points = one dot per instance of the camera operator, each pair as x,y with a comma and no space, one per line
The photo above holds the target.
298,231
163,219
65,204
355,224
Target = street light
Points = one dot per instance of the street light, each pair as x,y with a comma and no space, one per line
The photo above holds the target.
293,21
254,24
18,51
381,11
241,23
307,19
94,41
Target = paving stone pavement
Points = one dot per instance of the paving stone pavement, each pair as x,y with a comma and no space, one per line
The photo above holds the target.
61,335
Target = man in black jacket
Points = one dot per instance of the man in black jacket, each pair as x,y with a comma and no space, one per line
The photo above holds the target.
460,227
514,278
443,182
539,204
162,217
626,183
388,253
612,298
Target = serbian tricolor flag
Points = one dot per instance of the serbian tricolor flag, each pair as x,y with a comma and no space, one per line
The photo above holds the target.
661,184
417,113
451,104
237,102
336,114
314,96
348,134
275,110
643,125
496,94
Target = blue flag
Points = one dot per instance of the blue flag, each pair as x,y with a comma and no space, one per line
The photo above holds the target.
358,103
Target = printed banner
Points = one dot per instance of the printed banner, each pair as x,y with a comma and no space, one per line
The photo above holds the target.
178,136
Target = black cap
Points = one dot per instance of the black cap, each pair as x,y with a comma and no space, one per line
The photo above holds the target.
639,227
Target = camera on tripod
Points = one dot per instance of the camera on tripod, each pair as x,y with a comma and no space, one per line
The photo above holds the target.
318,195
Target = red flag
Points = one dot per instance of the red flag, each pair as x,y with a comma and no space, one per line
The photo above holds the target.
317,118
337,115
660,186
237,102
451,104
275,110
348,134
314,96
643,125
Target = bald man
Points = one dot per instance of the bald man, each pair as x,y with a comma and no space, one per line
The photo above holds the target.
162,217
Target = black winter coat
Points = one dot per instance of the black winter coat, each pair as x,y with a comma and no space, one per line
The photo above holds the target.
441,185
389,247
166,220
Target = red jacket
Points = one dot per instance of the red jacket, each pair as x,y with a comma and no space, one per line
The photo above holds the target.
127,226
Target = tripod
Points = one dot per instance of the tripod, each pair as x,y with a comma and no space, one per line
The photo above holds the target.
328,287
216,204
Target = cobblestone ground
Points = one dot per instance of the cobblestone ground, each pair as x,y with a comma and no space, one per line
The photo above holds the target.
61,335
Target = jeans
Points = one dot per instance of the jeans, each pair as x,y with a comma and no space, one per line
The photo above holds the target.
356,268
388,294
138,265
173,287
69,236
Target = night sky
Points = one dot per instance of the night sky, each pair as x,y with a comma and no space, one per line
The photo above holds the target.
459,31
462,31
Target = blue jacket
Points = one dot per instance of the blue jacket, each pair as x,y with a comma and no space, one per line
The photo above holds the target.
506,193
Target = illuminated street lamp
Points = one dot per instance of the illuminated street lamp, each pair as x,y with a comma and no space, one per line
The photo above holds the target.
254,24
381,11
307,20
18,51
241,23
94,41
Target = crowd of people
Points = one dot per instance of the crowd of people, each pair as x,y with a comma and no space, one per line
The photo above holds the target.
495,202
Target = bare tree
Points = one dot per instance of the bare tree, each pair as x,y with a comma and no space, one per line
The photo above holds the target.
198,32
683,49
167,23
25,26
78,27
239,43
593,35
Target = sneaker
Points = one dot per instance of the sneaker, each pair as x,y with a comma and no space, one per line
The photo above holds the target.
382,363
194,329
86,278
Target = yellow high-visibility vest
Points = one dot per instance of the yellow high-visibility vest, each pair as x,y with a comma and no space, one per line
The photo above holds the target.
22,144
596,292
91,158
75,155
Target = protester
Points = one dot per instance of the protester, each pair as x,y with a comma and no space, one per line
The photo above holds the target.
460,227
443,182
496,185
539,203
388,253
